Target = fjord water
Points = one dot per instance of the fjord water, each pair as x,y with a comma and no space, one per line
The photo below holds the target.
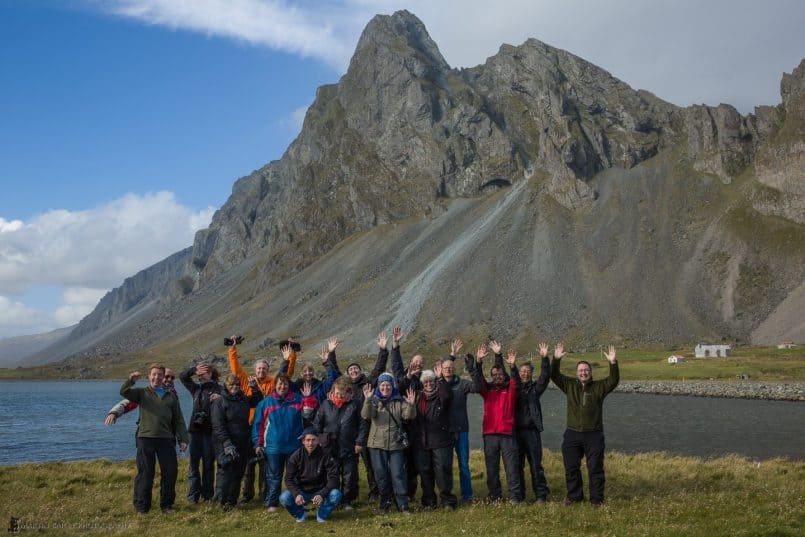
63,420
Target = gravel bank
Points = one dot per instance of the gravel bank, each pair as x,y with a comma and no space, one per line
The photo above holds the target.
704,388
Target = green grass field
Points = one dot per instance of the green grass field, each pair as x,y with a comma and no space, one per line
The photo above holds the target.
647,494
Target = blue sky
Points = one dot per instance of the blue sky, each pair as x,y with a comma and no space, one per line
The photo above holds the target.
124,123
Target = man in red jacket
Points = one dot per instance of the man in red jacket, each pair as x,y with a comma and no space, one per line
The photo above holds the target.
499,397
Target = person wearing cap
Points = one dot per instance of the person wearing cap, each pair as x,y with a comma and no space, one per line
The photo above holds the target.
500,396
584,436
275,431
387,410
432,441
262,382
201,477
232,438
311,477
124,406
161,424
528,422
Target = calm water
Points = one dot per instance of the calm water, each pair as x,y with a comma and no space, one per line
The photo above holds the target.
49,421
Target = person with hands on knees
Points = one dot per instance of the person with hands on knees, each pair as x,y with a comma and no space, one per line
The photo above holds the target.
584,436
387,438
161,424
528,422
311,478
500,397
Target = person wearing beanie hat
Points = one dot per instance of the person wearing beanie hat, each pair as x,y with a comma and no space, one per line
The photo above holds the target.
386,410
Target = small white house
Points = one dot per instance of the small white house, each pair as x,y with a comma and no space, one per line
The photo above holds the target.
786,345
704,350
676,359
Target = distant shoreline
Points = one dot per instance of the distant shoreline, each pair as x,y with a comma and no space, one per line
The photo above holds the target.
738,389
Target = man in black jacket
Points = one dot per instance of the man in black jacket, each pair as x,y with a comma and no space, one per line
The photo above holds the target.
311,476
528,422
201,484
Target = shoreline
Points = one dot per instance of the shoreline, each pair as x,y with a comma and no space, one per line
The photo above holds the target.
767,391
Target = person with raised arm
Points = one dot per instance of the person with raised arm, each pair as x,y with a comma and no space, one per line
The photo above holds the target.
528,422
407,377
262,382
124,406
386,410
500,397
201,476
161,424
308,384
459,421
432,442
584,436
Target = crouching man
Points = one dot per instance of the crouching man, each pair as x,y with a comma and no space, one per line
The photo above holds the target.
311,477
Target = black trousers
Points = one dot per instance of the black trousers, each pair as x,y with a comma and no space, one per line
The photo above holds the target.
495,446
258,463
413,472
229,476
349,477
149,451
370,473
201,481
576,445
529,443
435,467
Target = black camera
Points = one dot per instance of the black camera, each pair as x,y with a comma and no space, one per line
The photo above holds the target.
402,438
201,419
296,347
229,342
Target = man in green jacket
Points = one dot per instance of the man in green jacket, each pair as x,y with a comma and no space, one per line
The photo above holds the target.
161,423
584,436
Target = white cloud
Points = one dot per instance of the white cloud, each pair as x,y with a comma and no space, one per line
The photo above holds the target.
7,226
88,252
685,51
16,318
77,302
293,122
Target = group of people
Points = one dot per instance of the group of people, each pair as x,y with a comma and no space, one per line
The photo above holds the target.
406,425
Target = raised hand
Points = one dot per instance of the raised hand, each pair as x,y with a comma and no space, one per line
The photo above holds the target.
286,352
495,346
511,357
135,376
332,343
481,353
455,347
234,339
438,369
382,340
367,390
543,350
410,396
559,351
202,369
323,355
307,389
610,354
414,368
396,336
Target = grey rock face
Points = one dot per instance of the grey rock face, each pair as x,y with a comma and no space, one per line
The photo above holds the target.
610,196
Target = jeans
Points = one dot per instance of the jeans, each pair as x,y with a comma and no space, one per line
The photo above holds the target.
576,445
529,443
201,483
495,446
149,450
390,472
275,469
325,509
462,447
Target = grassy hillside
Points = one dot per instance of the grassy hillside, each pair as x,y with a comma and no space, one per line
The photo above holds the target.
647,494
